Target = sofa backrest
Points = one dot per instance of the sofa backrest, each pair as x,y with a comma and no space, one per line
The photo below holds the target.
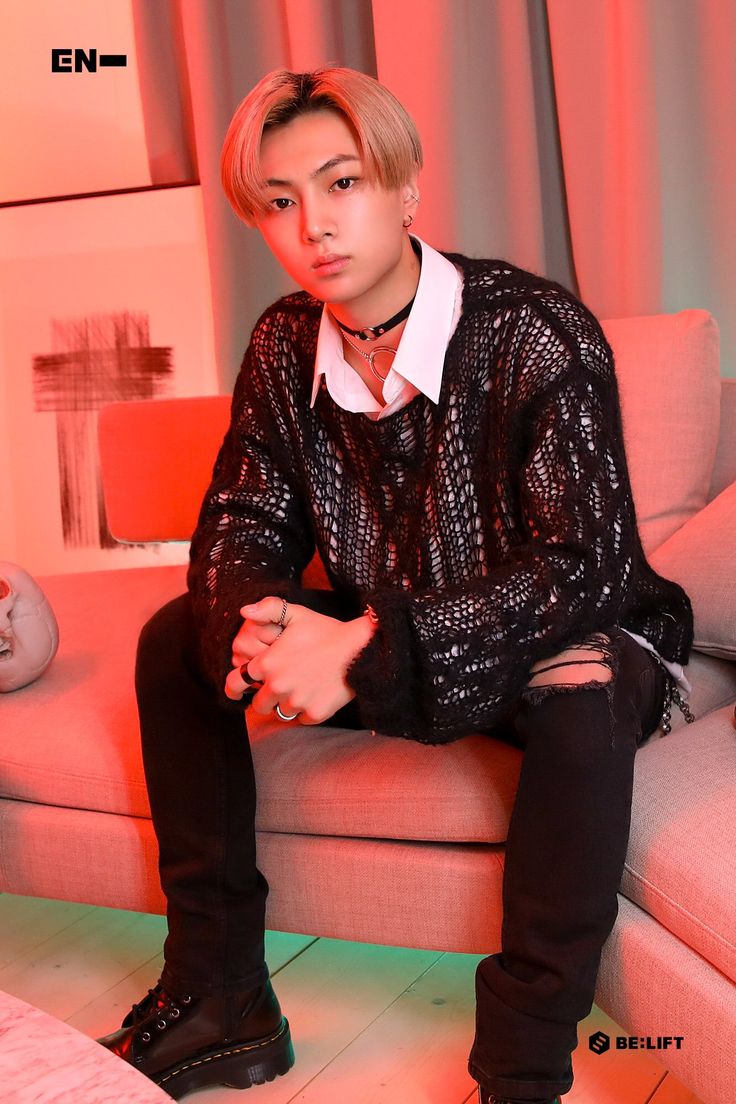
157,456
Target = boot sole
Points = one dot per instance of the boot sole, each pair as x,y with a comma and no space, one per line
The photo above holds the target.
238,1067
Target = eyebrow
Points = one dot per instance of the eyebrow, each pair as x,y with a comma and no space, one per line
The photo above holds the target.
331,164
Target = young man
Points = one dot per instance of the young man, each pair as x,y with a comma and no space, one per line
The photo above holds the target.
446,431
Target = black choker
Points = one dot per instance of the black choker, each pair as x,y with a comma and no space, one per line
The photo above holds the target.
370,333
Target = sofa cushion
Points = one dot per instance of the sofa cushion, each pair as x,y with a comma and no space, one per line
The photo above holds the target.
714,685
681,860
72,738
343,782
667,365
701,557
724,466
154,445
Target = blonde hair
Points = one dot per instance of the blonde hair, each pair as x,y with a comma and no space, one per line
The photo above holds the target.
386,135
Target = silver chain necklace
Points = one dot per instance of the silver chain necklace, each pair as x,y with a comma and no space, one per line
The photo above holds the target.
369,356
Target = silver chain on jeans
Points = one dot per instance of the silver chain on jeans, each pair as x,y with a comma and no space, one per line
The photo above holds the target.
672,694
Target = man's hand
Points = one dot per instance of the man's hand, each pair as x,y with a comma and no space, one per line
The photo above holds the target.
302,668
254,637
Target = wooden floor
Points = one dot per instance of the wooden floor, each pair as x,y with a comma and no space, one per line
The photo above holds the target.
370,1024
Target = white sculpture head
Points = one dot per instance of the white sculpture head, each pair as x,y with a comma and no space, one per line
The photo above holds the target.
29,634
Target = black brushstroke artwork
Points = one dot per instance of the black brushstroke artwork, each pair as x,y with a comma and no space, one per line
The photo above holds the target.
95,361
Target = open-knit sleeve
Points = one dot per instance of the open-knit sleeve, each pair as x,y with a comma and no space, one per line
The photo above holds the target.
448,661
253,537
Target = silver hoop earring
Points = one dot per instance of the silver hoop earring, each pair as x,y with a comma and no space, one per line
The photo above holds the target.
410,217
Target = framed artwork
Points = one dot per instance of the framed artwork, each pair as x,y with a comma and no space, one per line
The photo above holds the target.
102,299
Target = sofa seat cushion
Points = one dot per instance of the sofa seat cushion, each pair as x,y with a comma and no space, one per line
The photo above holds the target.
714,685
681,860
344,782
71,739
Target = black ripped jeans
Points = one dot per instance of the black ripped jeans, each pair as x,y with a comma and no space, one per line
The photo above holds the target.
564,858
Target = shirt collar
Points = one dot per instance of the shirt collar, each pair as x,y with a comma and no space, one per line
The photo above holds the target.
421,351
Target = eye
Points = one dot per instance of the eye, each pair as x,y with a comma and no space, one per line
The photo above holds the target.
345,180
341,180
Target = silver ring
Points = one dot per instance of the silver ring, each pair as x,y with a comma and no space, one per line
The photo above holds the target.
283,716
283,615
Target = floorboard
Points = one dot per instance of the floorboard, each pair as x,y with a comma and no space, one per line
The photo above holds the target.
370,1024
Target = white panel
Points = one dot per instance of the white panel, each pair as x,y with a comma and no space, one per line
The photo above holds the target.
69,133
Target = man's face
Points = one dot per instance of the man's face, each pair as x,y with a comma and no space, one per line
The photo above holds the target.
328,210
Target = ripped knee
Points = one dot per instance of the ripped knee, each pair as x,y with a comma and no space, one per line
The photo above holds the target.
587,662
590,665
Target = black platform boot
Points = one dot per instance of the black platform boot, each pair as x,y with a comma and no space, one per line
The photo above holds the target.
183,1042
485,1097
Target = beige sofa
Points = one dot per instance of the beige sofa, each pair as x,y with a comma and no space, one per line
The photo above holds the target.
388,841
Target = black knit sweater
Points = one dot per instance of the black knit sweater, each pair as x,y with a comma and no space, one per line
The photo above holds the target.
489,531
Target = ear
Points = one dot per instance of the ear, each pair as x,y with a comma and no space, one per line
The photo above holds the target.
410,196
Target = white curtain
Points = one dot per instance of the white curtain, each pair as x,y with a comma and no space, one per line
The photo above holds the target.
591,141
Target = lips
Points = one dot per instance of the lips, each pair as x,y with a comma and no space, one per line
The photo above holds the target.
328,258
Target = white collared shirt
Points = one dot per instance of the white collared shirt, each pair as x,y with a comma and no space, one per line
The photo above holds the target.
418,363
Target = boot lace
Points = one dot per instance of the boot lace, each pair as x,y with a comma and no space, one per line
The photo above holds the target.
159,1007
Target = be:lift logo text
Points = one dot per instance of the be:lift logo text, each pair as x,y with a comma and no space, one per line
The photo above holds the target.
599,1042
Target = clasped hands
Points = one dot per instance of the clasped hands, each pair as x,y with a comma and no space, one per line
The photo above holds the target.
303,667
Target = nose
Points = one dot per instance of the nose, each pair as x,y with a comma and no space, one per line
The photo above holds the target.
316,220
